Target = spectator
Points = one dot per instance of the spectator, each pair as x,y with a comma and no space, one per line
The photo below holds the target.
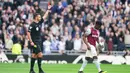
9,11
15,5
67,17
54,44
6,4
47,45
37,8
7,39
101,44
30,2
76,30
45,34
37,1
110,46
69,43
16,49
11,26
102,31
70,29
77,42
61,45
25,7
55,29
121,45
31,12
26,45
60,8
61,25
66,35
19,2
81,26
54,7
64,3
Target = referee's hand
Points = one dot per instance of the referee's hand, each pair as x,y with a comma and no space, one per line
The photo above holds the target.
32,44
49,7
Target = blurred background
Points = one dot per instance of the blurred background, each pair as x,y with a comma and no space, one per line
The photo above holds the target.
62,30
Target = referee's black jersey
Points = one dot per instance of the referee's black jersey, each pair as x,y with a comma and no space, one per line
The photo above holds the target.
35,31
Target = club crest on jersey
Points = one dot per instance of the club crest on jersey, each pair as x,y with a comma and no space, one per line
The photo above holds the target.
37,28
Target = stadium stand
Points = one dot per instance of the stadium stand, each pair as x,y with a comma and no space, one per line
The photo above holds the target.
65,24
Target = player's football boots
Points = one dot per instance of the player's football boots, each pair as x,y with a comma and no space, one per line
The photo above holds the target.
41,71
103,72
80,72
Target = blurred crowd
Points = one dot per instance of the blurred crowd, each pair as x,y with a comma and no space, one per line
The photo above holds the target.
63,28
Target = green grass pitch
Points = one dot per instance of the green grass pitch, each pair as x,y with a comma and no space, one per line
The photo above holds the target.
62,68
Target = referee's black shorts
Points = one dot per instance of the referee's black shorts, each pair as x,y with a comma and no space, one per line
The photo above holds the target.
36,49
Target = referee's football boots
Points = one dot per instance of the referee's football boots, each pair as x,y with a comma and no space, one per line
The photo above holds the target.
32,71
41,71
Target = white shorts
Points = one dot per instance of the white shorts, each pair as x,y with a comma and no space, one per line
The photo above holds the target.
92,52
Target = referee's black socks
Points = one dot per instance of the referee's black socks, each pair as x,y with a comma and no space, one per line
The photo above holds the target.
39,63
32,63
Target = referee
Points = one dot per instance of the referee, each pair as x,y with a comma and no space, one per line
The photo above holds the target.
34,37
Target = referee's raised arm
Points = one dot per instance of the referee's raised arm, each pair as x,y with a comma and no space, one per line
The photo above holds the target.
47,12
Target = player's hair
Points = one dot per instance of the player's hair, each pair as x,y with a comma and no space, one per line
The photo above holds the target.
99,23
35,15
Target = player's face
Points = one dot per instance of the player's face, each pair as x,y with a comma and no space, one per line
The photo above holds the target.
97,26
38,17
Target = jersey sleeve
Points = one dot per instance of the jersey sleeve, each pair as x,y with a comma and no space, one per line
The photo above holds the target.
88,31
30,28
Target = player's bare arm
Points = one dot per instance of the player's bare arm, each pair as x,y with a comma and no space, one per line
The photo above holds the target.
86,41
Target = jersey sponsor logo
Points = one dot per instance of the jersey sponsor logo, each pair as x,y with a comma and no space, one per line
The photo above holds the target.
96,36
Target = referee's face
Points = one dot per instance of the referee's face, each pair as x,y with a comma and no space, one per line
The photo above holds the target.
38,17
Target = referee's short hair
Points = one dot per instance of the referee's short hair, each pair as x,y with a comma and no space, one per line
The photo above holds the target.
35,15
